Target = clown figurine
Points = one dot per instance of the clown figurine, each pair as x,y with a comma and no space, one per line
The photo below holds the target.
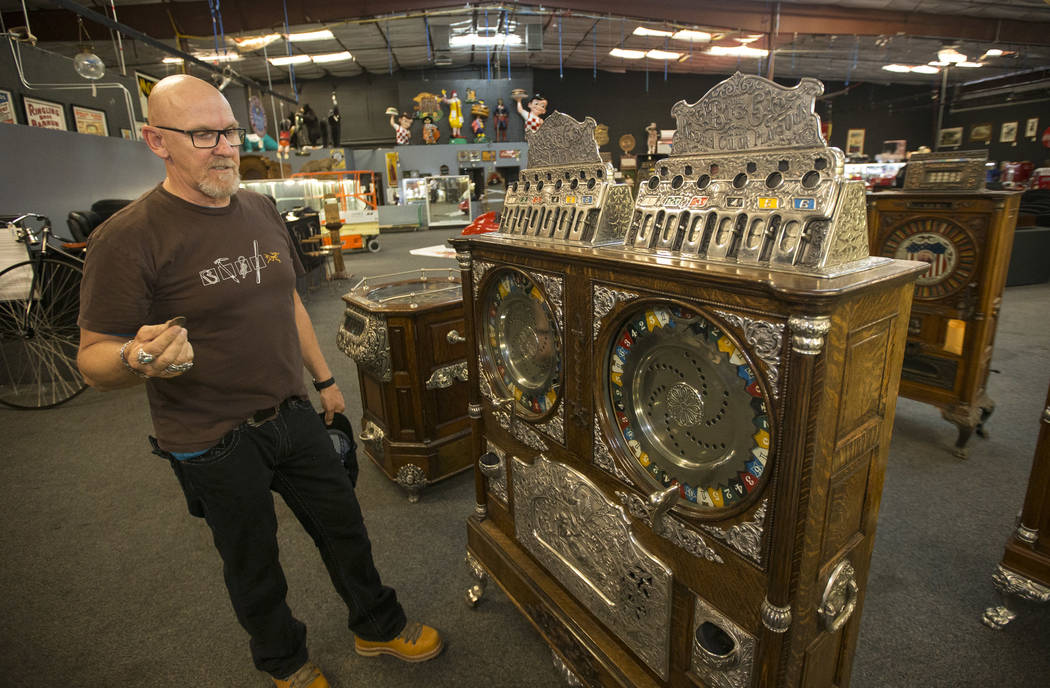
501,117
284,138
478,127
455,113
402,128
430,131
537,106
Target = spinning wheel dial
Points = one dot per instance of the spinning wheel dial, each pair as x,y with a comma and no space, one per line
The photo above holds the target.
947,247
521,343
688,406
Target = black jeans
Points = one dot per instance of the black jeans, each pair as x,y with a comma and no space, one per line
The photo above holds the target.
230,483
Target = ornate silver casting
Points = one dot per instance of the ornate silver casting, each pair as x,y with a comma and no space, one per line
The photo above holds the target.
776,619
732,669
552,289
747,112
585,542
1026,534
474,410
412,478
464,259
605,299
527,436
563,140
603,458
476,591
1010,584
562,668
372,438
444,377
746,537
497,477
365,341
851,229
554,427
807,333
840,597
669,528
480,267
766,339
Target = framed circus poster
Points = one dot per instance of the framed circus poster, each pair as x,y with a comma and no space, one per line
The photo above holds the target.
90,121
44,113
7,108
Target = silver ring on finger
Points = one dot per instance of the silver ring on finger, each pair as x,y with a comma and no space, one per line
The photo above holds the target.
144,357
179,367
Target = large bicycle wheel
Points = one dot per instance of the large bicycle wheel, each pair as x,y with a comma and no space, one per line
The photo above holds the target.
39,336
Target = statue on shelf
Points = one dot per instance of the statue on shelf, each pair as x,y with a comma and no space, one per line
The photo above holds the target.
402,127
653,137
480,112
455,113
430,131
501,117
533,116
334,124
311,131
284,138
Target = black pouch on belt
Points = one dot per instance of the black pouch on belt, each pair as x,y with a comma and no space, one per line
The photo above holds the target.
193,503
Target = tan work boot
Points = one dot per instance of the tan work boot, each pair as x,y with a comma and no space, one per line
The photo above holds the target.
308,676
417,643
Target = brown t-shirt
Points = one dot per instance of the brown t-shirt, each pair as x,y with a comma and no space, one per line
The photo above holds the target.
231,271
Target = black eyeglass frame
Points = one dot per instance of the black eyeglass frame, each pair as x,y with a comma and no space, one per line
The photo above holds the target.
193,133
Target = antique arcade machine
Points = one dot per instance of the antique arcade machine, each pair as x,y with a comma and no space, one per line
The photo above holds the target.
946,218
681,424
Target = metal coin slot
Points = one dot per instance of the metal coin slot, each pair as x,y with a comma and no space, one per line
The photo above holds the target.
600,173
677,182
514,186
709,232
774,180
664,171
583,174
658,225
589,224
718,649
752,168
568,176
528,185
695,230
574,184
353,323
725,231
783,166
577,224
539,186
713,169
667,236
820,163
811,179
549,177
789,238
771,234
557,185
636,223
654,182
754,234
739,181
703,181
591,182
642,241
688,170
683,222
550,222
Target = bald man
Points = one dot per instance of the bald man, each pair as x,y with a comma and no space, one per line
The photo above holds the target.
190,291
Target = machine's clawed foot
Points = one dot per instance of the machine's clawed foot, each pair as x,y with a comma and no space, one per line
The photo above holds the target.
476,591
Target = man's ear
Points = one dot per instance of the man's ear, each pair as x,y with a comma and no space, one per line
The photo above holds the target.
155,140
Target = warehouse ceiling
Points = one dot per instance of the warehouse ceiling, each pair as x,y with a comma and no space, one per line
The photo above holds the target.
845,41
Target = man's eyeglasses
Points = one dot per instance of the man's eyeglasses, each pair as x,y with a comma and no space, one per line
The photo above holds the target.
209,138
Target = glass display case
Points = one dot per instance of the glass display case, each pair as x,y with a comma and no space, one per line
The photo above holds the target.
442,197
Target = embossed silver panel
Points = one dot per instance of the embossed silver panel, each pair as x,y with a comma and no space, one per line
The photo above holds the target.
585,541
363,337
724,667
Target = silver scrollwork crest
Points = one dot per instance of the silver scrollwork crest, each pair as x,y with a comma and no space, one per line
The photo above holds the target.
766,340
368,347
603,458
479,268
562,140
746,537
670,529
605,299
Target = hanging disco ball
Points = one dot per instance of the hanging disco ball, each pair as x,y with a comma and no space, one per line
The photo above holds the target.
89,65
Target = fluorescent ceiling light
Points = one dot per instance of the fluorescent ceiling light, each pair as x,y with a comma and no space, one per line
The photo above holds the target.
172,60
662,55
332,57
950,55
692,36
472,39
627,54
968,64
896,68
925,69
218,57
255,42
642,31
736,51
289,60
322,35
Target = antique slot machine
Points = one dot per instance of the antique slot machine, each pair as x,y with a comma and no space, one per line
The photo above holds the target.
946,218
403,332
681,432
1024,572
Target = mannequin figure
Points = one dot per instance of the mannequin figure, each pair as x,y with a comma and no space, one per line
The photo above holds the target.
403,129
455,113
654,136
430,131
537,107
501,117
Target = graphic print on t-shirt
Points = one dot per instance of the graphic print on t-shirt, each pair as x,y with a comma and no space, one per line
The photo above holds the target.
239,268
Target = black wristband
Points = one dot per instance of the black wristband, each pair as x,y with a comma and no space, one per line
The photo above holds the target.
324,383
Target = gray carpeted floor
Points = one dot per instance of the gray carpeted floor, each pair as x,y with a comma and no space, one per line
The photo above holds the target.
108,582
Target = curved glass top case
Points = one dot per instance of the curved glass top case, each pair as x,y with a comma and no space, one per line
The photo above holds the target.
687,406
520,343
